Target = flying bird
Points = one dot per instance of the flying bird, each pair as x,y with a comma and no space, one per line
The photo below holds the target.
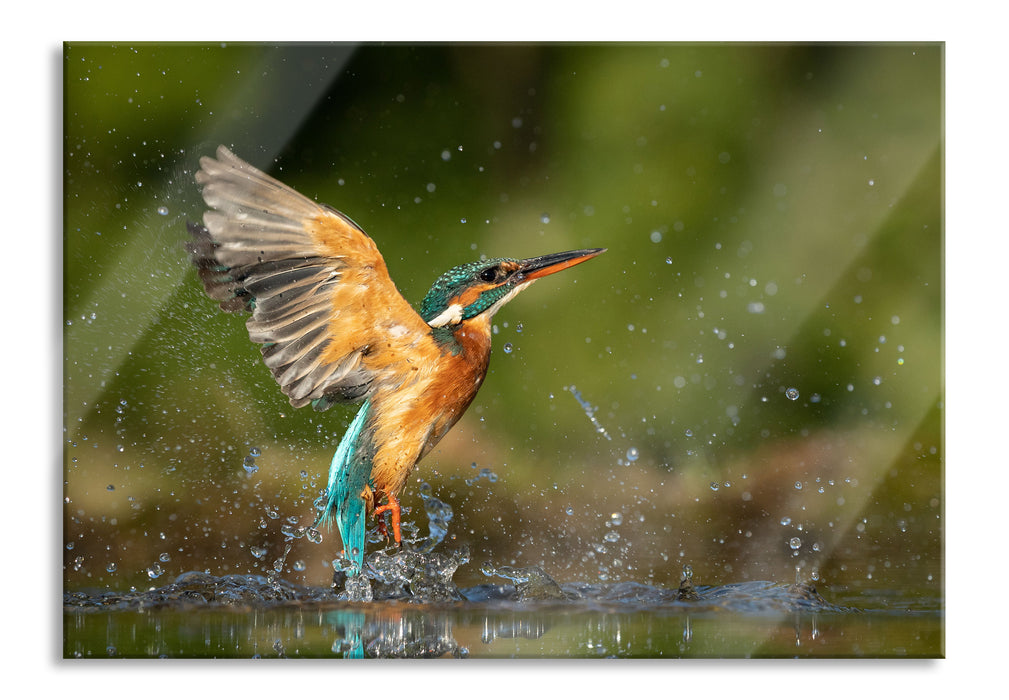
335,330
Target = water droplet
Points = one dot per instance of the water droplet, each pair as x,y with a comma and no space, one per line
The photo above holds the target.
612,536
798,486
110,487
714,486
616,518
632,454
545,218
669,261
289,530
154,571
791,393
163,210
786,520
111,568
795,543
507,348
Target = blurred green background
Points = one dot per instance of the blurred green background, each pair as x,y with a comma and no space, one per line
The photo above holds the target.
761,347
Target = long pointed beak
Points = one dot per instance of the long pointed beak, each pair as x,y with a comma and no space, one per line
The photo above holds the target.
534,268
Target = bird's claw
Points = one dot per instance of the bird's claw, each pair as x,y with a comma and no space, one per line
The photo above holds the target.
392,506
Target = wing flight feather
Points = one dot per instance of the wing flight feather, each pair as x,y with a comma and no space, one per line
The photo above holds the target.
332,324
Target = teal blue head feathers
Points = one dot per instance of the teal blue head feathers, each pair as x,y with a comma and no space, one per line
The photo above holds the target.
467,290
485,286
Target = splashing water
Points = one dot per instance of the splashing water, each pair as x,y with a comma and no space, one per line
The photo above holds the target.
415,576
531,583
686,590
485,473
439,515
413,572
590,411
399,578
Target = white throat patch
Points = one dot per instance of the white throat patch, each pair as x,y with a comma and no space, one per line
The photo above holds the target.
450,316
506,298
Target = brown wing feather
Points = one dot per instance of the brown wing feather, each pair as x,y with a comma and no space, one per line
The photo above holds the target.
332,323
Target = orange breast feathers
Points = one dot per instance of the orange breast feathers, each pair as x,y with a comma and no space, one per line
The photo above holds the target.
411,420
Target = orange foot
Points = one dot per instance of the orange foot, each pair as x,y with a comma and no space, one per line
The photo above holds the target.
391,505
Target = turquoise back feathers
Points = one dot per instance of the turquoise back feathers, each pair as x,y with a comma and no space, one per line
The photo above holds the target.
349,474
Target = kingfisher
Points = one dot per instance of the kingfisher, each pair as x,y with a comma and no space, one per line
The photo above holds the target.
335,330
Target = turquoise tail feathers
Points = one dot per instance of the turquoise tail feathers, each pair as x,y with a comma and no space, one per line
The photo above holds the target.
348,475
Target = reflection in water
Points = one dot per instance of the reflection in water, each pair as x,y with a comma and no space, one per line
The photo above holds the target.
348,624
514,627
393,633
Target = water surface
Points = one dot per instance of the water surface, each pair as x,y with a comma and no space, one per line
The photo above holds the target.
204,616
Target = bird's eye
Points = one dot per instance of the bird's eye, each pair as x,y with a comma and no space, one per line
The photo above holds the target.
489,275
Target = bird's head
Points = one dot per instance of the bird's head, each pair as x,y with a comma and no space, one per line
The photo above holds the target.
483,287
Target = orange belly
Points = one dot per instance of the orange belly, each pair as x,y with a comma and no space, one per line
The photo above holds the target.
410,419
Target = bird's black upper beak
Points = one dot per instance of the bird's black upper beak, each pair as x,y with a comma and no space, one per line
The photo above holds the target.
534,268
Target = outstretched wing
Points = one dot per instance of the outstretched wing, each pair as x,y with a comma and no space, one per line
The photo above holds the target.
332,323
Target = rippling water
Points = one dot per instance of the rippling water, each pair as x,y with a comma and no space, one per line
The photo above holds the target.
414,610
197,590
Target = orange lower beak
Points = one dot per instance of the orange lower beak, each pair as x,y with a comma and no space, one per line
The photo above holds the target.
534,268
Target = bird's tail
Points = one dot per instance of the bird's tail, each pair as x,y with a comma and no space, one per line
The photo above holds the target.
348,475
